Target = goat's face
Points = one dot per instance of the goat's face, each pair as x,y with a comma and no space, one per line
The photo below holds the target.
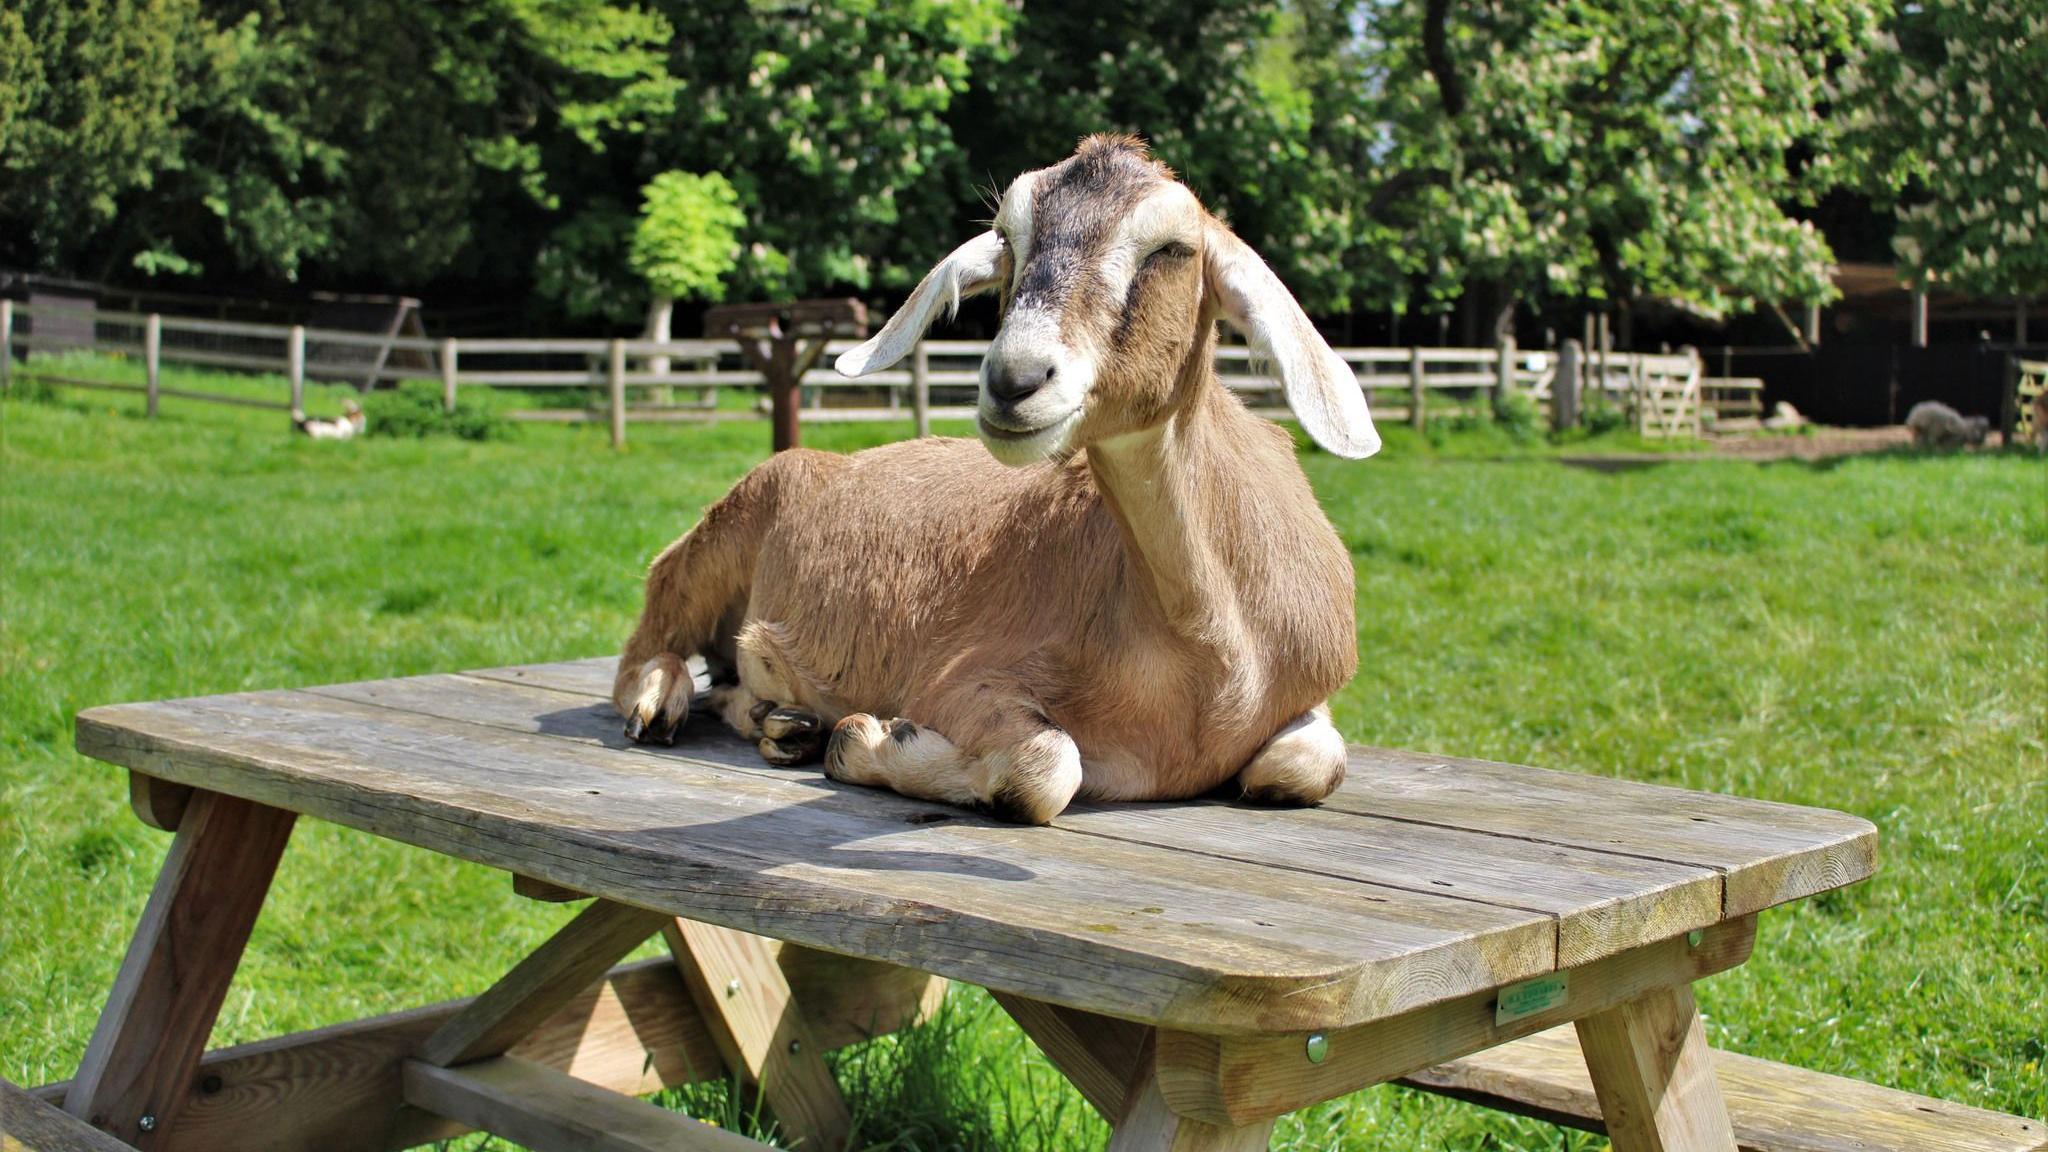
1110,272
1102,301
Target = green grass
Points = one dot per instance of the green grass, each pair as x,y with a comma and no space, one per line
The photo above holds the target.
1871,636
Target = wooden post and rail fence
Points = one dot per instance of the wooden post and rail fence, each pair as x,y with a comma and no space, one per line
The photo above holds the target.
627,381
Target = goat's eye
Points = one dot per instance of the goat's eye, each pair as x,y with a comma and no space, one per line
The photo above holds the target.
1171,250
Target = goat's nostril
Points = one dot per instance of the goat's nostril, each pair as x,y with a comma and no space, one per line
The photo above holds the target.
1049,370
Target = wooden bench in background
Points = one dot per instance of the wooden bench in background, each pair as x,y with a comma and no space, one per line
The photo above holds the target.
1196,969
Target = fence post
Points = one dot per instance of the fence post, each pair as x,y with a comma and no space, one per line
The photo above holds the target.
295,365
1504,373
616,377
448,375
1564,386
152,353
1416,417
1646,418
921,389
6,344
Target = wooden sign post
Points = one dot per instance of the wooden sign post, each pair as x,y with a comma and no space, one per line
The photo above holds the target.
782,342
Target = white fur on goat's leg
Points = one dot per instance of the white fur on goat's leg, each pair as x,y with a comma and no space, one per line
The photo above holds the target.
1301,764
657,702
1029,781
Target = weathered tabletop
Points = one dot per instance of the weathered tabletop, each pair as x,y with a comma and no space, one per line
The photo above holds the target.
1423,879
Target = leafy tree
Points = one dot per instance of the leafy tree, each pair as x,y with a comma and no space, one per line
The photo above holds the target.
1946,117
686,242
364,140
89,93
1608,149
829,119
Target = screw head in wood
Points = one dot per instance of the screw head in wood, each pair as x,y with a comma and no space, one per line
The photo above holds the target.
147,1123
795,1046
732,986
1693,938
1318,1047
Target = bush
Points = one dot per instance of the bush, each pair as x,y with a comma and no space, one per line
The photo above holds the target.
413,411
1600,418
1518,415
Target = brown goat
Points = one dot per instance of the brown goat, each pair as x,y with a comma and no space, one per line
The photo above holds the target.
1145,603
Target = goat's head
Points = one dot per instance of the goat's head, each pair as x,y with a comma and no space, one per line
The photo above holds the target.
1111,273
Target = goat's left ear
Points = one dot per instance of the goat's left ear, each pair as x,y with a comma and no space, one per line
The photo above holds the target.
1320,386
972,268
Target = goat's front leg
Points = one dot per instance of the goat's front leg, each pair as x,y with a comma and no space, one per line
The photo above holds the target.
1301,764
1020,768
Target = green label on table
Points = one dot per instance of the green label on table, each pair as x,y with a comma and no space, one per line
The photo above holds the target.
1530,997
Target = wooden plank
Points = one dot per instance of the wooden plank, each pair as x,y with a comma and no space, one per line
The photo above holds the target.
1770,853
635,1032
154,1027
1604,903
1095,1053
1774,1107
760,1029
156,803
550,976
1147,1124
1119,929
549,1112
1223,1079
29,1125
532,889
1654,1075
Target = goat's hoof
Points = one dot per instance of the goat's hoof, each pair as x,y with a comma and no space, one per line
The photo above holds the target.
657,706
790,736
850,753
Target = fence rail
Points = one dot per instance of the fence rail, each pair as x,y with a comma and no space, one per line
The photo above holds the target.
1413,384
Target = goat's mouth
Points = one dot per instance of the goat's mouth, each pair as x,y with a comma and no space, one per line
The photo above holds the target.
1027,445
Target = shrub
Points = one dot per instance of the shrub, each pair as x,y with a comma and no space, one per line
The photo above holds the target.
413,411
1518,415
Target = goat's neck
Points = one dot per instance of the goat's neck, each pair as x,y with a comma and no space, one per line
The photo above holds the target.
1165,486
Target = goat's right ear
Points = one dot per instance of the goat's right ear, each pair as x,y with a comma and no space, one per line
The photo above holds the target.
973,268
1319,385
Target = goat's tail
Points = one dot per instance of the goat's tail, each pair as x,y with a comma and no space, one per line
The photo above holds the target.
697,589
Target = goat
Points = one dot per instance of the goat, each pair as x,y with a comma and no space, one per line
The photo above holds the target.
347,426
1146,603
1936,425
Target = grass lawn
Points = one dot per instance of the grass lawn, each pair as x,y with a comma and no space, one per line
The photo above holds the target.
1871,636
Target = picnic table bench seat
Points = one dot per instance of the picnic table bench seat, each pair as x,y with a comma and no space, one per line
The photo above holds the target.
1196,969
28,1124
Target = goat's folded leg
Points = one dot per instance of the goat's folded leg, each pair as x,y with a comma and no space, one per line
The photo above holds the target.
654,697
785,734
1023,769
1301,764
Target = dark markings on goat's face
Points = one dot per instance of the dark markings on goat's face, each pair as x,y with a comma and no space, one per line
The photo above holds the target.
1107,244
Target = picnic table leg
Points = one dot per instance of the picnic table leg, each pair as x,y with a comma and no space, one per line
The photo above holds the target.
760,1030
1112,1063
1653,1073
138,1067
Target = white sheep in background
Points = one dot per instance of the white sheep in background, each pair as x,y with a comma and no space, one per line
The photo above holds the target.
1936,425
1129,593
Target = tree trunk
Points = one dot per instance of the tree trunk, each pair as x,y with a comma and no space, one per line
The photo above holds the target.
660,310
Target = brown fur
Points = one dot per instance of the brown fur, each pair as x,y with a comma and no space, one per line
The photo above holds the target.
1168,594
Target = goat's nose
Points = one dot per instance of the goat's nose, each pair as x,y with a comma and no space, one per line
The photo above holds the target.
1012,383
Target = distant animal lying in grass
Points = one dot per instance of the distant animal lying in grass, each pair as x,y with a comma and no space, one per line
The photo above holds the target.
1125,591
1936,425
347,427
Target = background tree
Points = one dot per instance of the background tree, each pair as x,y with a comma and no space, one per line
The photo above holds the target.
686,242
1944,119
1607,150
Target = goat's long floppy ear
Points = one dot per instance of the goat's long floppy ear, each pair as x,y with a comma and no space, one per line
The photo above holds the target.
1319,385
972,268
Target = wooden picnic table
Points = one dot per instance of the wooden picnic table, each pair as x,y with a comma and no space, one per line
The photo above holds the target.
1196,969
